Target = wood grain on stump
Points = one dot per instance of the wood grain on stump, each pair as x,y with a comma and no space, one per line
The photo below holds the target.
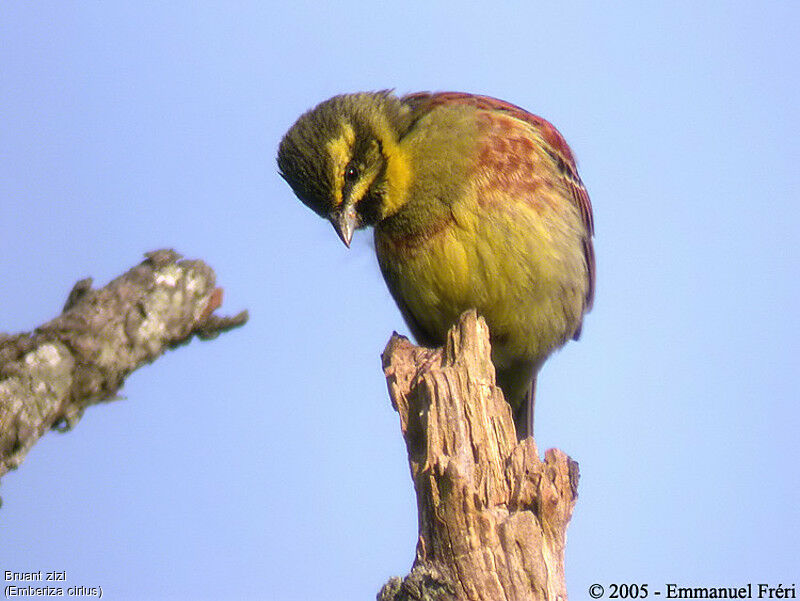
492,515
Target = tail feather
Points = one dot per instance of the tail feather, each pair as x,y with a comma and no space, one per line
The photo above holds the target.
524,413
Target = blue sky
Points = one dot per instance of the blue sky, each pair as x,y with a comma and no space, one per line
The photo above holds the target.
268,463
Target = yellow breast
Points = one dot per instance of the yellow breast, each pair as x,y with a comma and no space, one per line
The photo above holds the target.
521,268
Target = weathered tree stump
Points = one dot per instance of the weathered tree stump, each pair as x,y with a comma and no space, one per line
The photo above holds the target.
492,515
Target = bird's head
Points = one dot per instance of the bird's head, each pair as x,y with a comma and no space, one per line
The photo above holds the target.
343,160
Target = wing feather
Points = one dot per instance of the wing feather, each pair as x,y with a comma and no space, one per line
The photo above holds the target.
559,150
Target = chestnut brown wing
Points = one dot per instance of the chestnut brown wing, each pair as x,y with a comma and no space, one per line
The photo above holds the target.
558,149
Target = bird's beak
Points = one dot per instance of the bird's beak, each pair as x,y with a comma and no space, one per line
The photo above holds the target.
344,221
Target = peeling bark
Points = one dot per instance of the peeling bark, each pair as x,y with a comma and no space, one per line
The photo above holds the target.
49,376
492,515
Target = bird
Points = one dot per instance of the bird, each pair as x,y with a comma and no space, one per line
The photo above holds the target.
475,203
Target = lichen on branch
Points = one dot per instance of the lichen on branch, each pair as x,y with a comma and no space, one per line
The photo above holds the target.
49,376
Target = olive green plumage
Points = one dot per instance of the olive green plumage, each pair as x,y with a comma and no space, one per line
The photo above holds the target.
475,203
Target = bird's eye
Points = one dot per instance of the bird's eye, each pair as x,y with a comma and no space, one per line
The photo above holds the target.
350,173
